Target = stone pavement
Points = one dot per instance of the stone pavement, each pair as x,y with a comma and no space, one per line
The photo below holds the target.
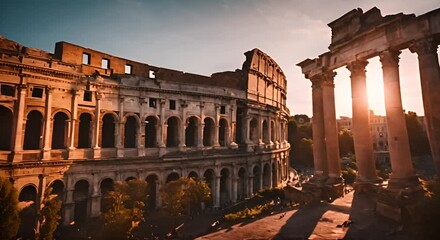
319,221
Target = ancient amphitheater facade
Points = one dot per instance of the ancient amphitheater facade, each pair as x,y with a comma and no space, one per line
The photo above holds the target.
78,120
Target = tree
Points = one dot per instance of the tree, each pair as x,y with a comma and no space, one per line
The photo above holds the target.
49,215
346,144
418,141
128,203
178,195
9,219
300,139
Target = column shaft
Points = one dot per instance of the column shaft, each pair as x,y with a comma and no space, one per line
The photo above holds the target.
363,143
18,141
47,125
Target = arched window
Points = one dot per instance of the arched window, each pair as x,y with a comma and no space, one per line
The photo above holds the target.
6,128
59,134
172,132
80,197
208,132
150,132
191,132
84,131
223,132
130,132
253,133
172,177
108,131
32,135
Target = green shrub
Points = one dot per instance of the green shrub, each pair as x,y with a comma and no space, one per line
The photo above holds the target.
271,193
248,213
349,175
9,219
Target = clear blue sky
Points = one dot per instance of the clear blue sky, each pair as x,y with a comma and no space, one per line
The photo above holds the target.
203,36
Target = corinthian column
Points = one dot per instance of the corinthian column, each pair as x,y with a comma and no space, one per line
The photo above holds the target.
402,169
330,128
363,144
319,151
430,80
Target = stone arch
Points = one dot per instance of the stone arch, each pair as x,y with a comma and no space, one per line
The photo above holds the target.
151,124
106,185
208,131
152,180
242,183
108,131
266,176
272,131
172,177
80,198
253,130
191,131
209,177
6,119
28,215
173,131
225,186
131,128
256,181
265,134
57,188
85,130
193,175
33,131
223,132
59,130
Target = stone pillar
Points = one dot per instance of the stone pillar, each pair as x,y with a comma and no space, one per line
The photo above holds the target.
95,139
363,143
216,125
158,199
47,124
217,191
234,188
260,131
248,129
319,150
18,141
330,128
120,129
74,113
69,205
200,127
182,145
95,208
141,132
233,130
270,176
162,128
426,50
250,185
398,143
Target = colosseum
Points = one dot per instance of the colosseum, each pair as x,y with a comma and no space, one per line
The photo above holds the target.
79,119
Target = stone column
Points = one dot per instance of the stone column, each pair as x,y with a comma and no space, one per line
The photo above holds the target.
234,188
260,131
95,208
248,129
47,124
217,125
270,176
69,205
18,141
330,128
74,113
398,143
233,130
162,128
120,127
183,125
363,143
319,150
217,191
158,199
95,139
141,132
250,185
426,50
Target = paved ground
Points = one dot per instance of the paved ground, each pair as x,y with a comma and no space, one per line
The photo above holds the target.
318,221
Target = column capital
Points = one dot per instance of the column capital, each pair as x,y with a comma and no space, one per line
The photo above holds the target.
390,58
49,90
424,46
323,78
98,95
357,67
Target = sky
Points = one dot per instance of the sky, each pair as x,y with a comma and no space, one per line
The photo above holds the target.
207,36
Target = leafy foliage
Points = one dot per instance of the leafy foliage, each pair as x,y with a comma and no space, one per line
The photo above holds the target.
346,144
300,139
49,215
429,211
9,219
249,212
418,141
179,194
128,202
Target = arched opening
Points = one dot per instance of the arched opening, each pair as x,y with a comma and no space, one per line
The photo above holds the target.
225,186
129,179
274,176
239,137
57,188
59,134
253,132
208,176
256,181
223,132
152,189
272,131
265,132
6,129
266,176
193,175
130,129
242,186
80,197
28,214
32,135
108,131
172,132
172,177
106,186
191,132
150,132
208,132
84,131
